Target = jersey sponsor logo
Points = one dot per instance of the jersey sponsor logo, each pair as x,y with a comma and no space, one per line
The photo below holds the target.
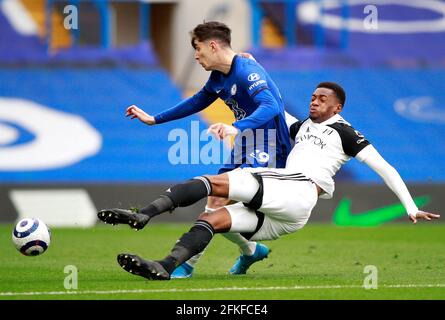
233,89
36,137
239,112
311,138
253,77
256,84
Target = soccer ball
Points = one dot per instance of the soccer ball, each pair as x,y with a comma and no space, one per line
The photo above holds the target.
31,236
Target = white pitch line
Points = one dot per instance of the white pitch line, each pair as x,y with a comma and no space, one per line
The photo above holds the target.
81,292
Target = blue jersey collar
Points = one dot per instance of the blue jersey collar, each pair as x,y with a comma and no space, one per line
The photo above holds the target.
232,66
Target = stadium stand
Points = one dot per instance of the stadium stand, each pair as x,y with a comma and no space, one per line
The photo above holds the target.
25,45
408,34
58,82
14,47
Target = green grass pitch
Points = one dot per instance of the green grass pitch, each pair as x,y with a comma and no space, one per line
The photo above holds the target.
321,261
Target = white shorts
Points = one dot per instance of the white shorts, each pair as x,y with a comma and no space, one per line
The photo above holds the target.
288,199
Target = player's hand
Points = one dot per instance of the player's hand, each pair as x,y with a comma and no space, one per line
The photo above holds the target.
135,112
422,215
246,55
222,130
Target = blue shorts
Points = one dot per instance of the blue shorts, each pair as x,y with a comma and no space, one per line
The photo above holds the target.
231,166
258,160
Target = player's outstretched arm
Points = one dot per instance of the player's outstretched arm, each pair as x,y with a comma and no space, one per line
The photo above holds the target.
392,179
134,112
423,215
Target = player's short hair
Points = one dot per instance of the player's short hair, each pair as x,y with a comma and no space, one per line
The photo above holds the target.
339,91
211,30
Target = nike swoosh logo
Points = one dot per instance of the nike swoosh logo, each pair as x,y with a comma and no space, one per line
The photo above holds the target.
344,217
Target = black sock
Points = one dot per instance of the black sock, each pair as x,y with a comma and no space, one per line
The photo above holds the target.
189,192
180,195
191,243
160,205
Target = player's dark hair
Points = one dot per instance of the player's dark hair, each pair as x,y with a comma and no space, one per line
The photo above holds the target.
211,30
339,92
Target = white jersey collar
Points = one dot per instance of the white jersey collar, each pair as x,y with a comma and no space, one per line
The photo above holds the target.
331,120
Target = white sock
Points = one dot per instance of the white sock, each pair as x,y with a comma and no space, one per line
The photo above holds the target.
247,247
194,260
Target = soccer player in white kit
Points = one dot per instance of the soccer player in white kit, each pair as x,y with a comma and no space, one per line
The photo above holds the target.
273,202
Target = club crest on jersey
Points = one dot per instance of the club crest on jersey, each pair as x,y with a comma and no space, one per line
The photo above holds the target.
233,89
238,112
253,77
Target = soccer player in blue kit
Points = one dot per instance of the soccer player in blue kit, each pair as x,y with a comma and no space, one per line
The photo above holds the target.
247,89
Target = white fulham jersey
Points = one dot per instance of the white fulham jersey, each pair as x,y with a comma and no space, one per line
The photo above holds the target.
322,148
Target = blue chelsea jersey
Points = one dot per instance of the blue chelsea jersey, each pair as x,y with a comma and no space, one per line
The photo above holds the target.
256,104
258,109
239,87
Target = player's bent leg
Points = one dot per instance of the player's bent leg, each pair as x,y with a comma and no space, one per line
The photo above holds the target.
180,195
220,190
247,188
186,269
247,222
285,207
246,247
214,203
191,243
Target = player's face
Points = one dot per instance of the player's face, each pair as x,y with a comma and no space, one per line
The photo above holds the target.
204,52
324,105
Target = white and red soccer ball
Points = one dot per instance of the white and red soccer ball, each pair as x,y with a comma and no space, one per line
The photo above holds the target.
31,236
